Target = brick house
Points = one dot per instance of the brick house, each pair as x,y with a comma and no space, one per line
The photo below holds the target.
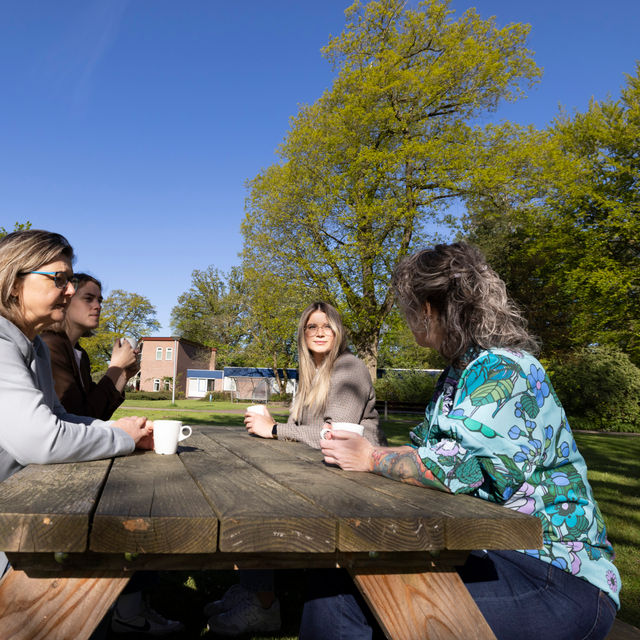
162,358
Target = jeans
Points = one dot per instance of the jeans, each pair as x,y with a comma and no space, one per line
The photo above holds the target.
520,597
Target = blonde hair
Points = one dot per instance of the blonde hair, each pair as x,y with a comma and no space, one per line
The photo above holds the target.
23,251
468,295
313,384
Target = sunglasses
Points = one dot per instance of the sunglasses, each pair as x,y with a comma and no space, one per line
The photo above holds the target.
60,278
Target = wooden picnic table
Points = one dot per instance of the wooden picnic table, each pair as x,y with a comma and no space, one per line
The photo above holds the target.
74,533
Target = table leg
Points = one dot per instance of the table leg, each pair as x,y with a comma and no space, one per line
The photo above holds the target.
54,608
434,605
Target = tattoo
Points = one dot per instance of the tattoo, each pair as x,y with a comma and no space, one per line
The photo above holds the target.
404,465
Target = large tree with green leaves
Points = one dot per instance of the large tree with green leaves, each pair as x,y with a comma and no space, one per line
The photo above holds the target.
212,312
123,314
568,241
368,169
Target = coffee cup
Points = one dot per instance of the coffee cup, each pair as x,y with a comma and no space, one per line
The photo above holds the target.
132,341
167,434
343,426
257,408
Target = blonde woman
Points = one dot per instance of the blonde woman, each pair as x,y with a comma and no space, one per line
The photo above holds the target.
334,386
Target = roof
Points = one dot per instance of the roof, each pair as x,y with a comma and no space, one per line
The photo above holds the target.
176,338
257,372
205,373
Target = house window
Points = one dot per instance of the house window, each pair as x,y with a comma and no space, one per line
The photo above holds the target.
158,353
202,385
167,385
156,384
169,353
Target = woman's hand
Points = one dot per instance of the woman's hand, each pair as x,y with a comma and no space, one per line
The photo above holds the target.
140,429
349,451
123,355
258,424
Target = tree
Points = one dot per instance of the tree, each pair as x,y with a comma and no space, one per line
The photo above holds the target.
212,312
569,245
123,314
367,168
18,226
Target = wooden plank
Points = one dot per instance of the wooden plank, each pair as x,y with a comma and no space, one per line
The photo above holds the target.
80,565
467,522
48,507
434,605
256,513
150,504
367,520
54,608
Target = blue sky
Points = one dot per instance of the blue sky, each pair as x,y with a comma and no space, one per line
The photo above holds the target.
131,126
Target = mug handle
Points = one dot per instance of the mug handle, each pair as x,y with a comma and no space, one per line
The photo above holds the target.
182,435
323,433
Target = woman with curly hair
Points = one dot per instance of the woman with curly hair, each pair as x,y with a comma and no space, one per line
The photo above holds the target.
494,429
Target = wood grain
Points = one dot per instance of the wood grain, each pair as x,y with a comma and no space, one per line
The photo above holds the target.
165,512
256,514
48,507
54,608
366,520
434,605
463,523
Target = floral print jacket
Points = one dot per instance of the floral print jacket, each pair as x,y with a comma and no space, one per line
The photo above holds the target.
496,430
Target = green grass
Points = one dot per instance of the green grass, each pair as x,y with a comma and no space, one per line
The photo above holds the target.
614,474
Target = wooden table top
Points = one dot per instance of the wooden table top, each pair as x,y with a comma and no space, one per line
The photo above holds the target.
229,493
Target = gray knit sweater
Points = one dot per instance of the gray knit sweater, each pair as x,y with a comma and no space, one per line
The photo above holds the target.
351,399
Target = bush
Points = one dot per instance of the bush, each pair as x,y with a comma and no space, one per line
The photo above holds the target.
406,387
281,397
599,387
218,396
150,395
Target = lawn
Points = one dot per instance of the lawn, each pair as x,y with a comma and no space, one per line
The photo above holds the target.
614,473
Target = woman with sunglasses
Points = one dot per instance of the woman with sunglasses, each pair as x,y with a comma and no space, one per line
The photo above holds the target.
77,392
36,284
333,386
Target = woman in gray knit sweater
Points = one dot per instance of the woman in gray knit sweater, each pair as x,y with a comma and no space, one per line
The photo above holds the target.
333,385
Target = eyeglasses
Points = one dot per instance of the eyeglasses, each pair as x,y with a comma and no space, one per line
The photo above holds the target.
312,329
60,278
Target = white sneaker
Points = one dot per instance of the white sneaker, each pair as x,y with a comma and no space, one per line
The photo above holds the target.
247,616
233,596
146,621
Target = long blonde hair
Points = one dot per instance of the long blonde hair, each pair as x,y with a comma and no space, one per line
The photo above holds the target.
313,383
470,298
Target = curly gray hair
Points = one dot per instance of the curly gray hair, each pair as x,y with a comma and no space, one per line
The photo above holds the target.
468,295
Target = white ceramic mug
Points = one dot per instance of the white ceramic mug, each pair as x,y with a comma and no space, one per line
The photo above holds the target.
343,426
257,408
132,341
167,434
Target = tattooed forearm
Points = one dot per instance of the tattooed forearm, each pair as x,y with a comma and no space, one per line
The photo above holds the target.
404,465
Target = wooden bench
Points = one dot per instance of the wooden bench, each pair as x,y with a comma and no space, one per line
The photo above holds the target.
623,631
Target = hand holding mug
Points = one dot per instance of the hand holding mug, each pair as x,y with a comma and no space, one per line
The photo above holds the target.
123,355
348,450
326,432
258,421
140,429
